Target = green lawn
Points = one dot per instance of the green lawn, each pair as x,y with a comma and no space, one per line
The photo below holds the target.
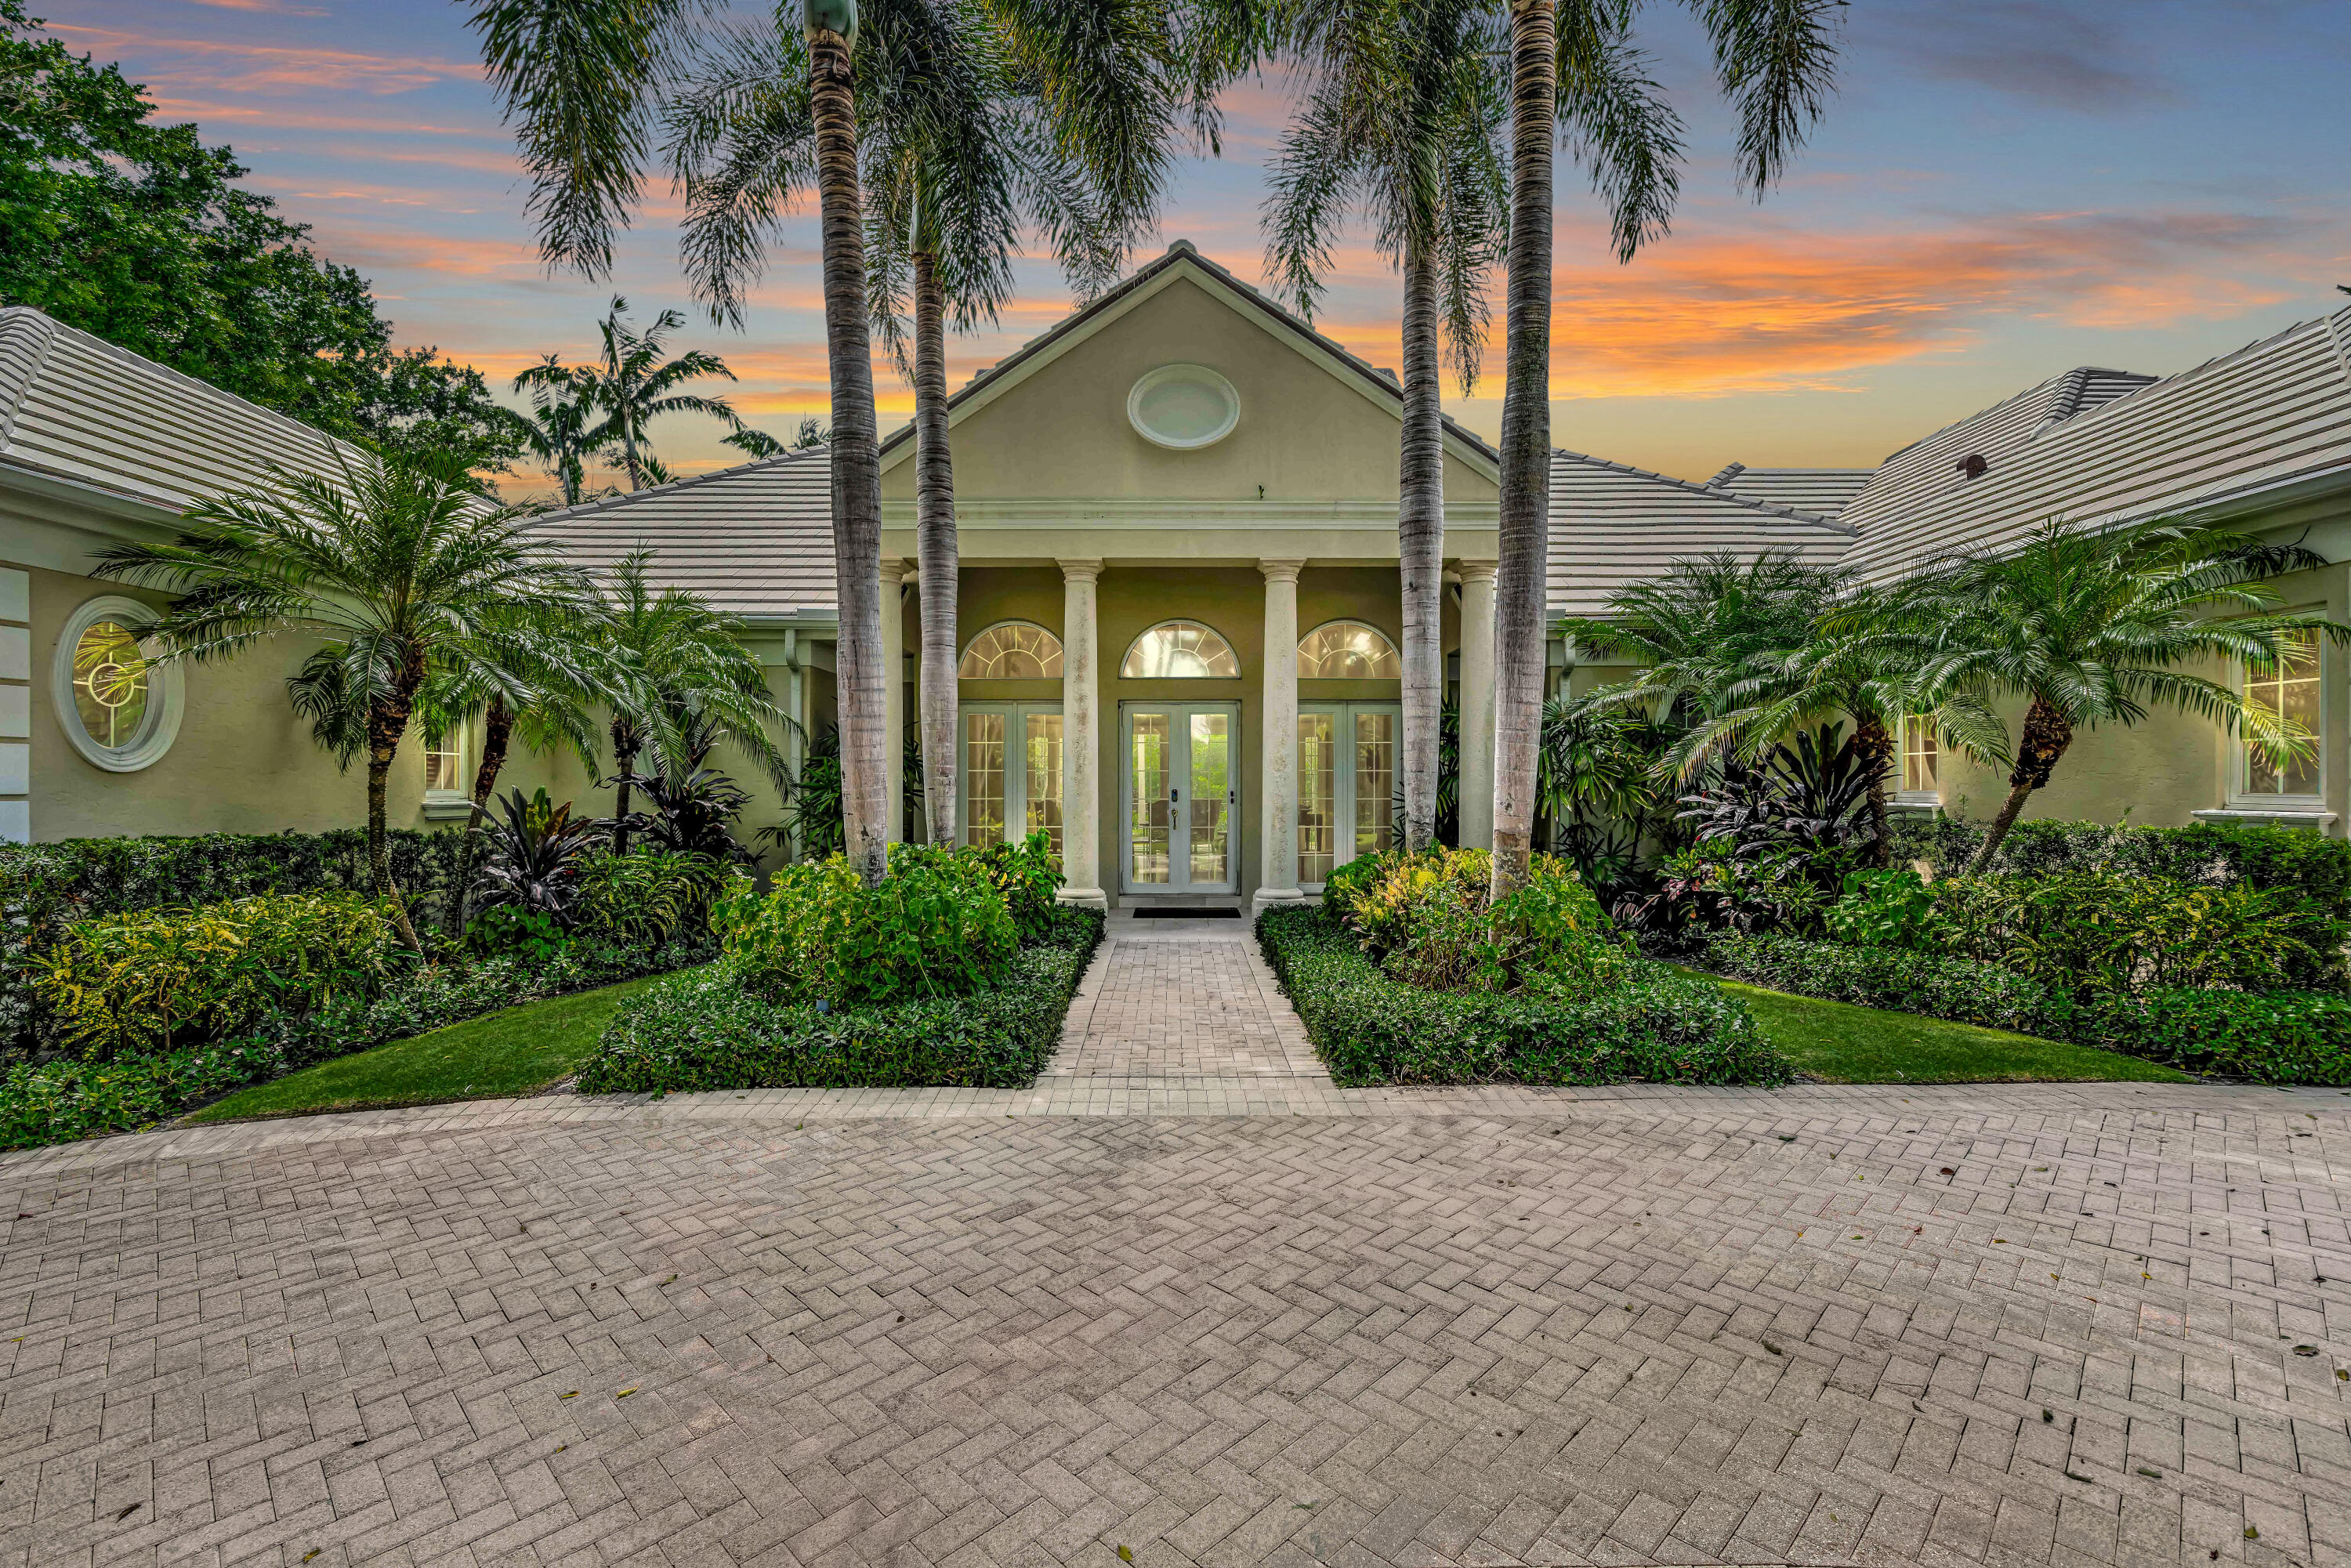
1845,1044
496,1055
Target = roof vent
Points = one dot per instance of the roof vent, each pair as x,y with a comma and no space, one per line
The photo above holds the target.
1973,466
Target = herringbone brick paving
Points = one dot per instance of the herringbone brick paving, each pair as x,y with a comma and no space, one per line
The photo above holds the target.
2003,1324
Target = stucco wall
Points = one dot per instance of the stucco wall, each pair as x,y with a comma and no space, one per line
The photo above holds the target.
1304,433
243,761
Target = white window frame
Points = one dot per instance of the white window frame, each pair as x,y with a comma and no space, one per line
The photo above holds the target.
2241,799
1060,651
1240,671
1394,651
167,696
441,805
1344,797
1930,798
1015,778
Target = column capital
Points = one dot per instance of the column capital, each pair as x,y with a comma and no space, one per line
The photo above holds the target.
1476,571
894,572
1079,570
1281,570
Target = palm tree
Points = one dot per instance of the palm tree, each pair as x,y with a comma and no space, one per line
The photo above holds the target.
400,569
631,384
2092,627
558,431
680,676
959,160
1775,60
587,82
1403,121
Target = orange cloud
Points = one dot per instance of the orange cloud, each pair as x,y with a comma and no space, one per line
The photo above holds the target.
252,68
279,117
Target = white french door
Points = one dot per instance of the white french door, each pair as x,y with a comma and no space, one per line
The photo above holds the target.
1008,772
1346,784
1179,792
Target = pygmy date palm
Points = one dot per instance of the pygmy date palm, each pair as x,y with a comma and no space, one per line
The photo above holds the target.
398,569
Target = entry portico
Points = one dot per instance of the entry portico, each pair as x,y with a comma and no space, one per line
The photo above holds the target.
1178,605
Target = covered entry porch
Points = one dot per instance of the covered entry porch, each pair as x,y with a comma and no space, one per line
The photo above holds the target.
1220,733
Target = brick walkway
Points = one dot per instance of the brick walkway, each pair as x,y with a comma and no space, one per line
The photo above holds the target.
1996,1324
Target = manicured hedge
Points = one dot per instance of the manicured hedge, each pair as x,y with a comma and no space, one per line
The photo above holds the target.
2272,1037
1371,1028
2211,853
709,1029
44,888
75,1097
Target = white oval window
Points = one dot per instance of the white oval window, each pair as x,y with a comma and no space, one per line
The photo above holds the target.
119,711
1184,407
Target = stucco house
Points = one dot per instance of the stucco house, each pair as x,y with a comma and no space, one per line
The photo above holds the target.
1178,611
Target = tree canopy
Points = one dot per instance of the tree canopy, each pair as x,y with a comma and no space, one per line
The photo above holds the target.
138,232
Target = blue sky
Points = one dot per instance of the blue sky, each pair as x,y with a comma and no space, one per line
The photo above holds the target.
1999,191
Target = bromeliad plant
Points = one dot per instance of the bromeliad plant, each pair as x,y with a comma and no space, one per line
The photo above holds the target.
535,850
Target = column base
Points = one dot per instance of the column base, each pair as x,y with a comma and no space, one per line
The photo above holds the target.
1091,897
1267,898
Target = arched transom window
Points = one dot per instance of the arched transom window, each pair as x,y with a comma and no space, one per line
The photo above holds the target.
1348,651
1180,650
1012,651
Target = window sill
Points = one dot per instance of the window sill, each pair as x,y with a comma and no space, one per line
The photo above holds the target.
1913,801
446,805
2309,816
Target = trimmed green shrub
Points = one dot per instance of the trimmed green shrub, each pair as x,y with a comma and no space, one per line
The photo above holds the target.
1425,919
146,981
1371,1028
59,1101
2208,853
2111,931
2273,1036
936,927
1022,870
647,898
716,1029
45,888
1886,909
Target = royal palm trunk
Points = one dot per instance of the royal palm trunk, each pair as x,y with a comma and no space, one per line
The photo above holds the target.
856,465
1525,532
1420,544
935,548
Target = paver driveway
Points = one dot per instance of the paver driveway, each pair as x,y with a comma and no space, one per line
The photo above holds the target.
2006,1326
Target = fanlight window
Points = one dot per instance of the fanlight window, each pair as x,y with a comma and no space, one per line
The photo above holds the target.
1348,651
1183,651
1012,652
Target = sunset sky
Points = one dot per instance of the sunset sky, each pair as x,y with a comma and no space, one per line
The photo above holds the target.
2001,190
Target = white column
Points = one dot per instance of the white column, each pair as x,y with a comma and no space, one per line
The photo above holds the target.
1277,762
1477,808
893,694
1081,739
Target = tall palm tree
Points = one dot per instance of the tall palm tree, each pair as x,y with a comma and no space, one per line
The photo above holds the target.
960,160
2092,627
631,383
558,430
1775,60
1403,117
401,571
679,675
589,81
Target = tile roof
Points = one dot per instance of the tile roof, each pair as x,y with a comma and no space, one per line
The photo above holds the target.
76,408
1612,526
1823,492
754,539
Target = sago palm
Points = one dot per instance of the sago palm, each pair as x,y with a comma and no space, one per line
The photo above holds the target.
589,83
1775,60
2089,628
399,570
961,162
1403,118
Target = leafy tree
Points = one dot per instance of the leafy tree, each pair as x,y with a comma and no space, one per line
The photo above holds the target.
560,430
139,234
2091,628
760,443
630,385
399,568
588,83
1775,60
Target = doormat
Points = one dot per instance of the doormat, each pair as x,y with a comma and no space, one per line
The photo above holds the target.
1153,912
